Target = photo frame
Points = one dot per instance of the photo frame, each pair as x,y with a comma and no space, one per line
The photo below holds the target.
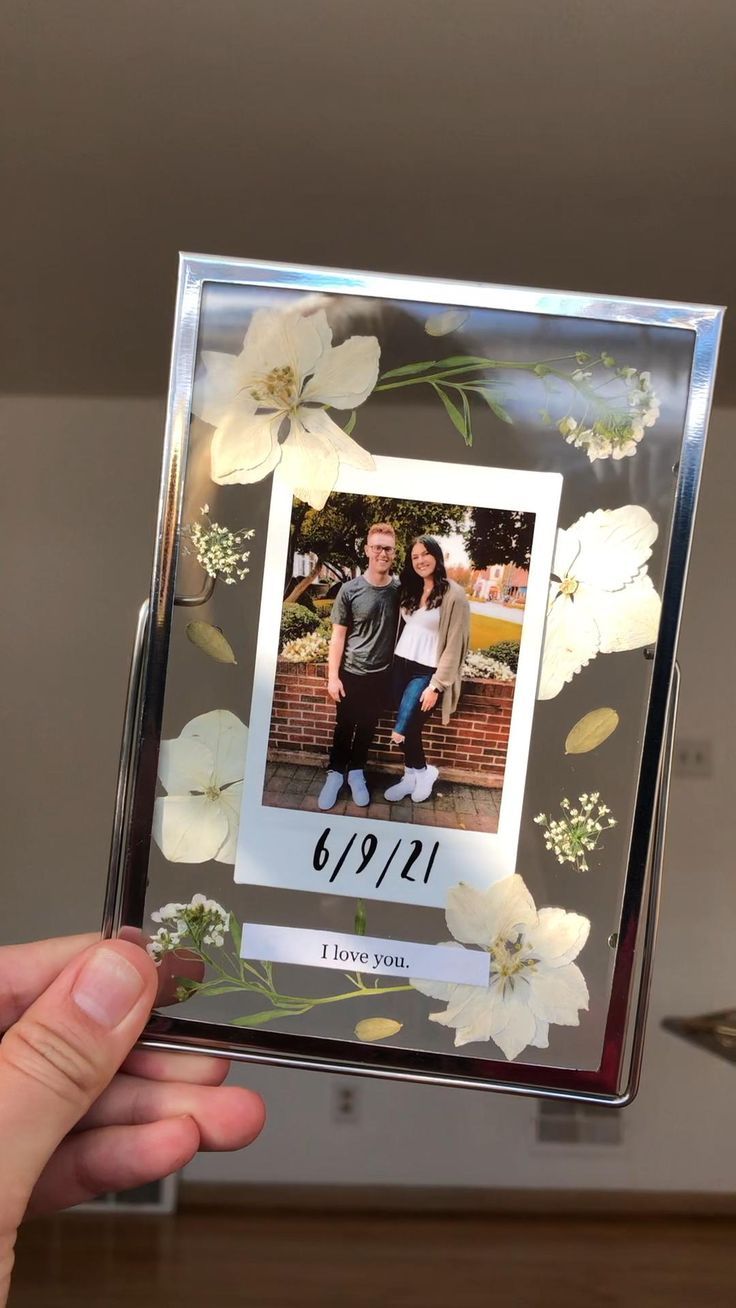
340,759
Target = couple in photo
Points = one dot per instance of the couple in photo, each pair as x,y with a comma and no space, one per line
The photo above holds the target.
369,669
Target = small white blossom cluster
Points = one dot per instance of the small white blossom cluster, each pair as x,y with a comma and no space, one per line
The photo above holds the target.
220,551
616,432
312,648
578,831
202,920
485,667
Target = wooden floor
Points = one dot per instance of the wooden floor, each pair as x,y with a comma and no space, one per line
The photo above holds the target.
288,1260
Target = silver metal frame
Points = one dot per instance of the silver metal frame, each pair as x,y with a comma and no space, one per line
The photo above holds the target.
616,1080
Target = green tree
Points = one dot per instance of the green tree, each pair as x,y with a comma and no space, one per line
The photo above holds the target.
337,533
499,536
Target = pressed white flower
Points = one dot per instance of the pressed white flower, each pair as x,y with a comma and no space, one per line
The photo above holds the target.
601,597
269,403
614,424
572,837
220,551
202,773
202,920
533,980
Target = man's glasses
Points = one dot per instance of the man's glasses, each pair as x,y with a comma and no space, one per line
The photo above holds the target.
382,549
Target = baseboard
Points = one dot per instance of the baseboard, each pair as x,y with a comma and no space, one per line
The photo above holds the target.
455,1200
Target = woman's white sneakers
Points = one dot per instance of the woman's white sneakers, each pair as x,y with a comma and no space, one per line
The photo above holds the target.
403,787
417,782
425,779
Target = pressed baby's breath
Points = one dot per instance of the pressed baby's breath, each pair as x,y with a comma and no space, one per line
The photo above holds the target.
573,836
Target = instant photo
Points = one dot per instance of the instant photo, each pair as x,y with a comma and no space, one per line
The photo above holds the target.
331,800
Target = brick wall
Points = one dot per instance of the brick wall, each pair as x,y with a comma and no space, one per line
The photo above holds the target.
471,749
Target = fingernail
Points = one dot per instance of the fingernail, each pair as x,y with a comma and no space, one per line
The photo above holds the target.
107,987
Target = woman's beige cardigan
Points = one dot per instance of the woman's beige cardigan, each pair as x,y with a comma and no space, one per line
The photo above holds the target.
452,646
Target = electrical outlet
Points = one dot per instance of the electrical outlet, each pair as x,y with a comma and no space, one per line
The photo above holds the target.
346,1103
693,758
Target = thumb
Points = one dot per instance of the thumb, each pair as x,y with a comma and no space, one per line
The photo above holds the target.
59,1056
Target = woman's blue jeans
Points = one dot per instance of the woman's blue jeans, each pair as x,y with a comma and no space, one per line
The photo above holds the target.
410,680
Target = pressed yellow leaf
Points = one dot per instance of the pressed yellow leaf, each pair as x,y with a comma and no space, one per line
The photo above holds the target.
591,731
441,324
377,1028
211,641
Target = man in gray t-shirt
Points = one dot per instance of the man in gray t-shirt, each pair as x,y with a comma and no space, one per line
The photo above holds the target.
365,616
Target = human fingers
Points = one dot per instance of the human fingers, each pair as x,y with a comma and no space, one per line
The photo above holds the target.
27,970
61,1053
112,1159
227,1117
160,1065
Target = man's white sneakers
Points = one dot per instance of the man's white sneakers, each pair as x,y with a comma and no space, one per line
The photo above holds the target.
330,790
402,788
423,783
358,788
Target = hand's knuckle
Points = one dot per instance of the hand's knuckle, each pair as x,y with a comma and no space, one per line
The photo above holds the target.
52,1059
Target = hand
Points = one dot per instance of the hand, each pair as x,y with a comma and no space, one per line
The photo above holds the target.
428,699
71,1124
335,689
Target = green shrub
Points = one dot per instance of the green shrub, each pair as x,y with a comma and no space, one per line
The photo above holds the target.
506,651
296,621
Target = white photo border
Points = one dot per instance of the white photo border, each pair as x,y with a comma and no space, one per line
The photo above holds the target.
272,849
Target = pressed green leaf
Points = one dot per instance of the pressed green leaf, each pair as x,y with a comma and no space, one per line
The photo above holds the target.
493,405
211,641
454,413
464,361
360,922
236,933
225,990
409,369
591,730
269,1015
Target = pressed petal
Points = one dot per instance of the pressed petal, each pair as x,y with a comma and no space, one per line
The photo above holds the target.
519,1031
468,1012
630,617
567,552
345,376
188,828
228,738
216,386
185,765
559,936
540,1039
615,544
433,989
244,447
558,994
230,802
277,339
571,640
477,917
318,422
309,463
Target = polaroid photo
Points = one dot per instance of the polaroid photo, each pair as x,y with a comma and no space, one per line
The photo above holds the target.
388,744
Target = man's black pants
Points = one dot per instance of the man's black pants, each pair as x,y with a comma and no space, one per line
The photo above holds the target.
366,698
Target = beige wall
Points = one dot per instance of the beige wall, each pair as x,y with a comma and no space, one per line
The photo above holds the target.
78,501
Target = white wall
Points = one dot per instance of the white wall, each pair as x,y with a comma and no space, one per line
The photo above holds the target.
79,492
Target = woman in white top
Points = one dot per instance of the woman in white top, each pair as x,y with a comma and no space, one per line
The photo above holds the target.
427,660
